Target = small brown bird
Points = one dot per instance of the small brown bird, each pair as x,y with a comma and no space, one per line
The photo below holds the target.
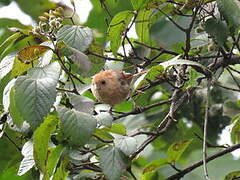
111,86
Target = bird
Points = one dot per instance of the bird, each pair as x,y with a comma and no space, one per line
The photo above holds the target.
111,86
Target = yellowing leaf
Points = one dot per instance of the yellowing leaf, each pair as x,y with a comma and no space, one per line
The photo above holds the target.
32,53
154,165
175,151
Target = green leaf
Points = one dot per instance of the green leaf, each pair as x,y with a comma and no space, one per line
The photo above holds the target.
4,3
126,144
77,37
175,151
218,29
54,155
19,68
235,130
150,176
77,127
117,25
193,75
35,93
9,40
14,112
154,165
41,139
137,4
150,75
6,38
117,129
143,25
103,134
230,10
61,173
232,175
113,162
3,83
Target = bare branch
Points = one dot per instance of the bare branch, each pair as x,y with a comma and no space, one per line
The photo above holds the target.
200,163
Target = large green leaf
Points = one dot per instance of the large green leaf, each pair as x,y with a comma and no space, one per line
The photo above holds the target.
230,10
77,127
61,172
116,27
54,155
113,162
77,37
101,14
9,40
41,139
143,24
218,29
6,38
175,151
35,93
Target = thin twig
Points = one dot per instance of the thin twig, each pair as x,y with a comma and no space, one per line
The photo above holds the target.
205,130
17,147
234,79
225,87
137,111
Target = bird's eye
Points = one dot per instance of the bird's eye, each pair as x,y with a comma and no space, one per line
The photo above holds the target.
123,83
103,82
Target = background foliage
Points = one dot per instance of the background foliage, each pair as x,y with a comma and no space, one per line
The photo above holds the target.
51,125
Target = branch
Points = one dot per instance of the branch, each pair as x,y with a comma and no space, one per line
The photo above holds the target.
177,100
138,111
224,62
200,163
205,130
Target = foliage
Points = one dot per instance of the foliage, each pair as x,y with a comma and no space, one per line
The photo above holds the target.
50,119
